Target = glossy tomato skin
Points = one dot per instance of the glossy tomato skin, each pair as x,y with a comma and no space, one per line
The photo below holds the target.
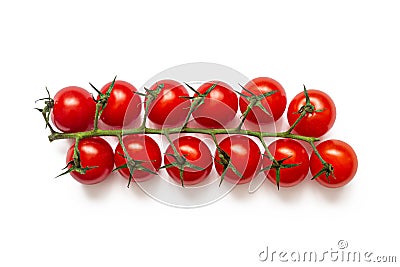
170,108
219,107
141,148
197,153
275,103
244,154
284,148
317,123
343,159
73,110
94,152
123,105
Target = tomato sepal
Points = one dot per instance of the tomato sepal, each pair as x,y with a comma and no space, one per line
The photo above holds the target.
101,102
254,101
133,165
225,161
197,100
46,111
73,167
180,163
277,165
327,169
150,96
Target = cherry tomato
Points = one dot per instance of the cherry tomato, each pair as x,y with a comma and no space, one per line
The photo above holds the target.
343,159
219,107
293,153
123,105
140,148
316,123
275,104
73,109
244,155
170,108
195,152
94,152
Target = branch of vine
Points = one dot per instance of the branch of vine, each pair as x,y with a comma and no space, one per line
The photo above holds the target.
198,99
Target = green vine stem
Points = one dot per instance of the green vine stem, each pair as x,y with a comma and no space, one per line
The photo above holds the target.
197,100
167,131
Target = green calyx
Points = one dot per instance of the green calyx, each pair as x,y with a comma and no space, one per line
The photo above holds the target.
72,167
254,101
181,163
277,165
101,102
326,169
225,161
49,104
197,100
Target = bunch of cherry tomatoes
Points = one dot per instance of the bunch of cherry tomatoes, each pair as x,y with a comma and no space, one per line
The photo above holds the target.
188,160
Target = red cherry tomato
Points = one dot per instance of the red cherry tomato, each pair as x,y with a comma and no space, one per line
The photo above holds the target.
294,153
196,153
94,152
316,123
139,148
219,107
73,109
275,104
170,108
123,105
343,159
244,155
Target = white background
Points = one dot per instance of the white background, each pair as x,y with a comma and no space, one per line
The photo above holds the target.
349,49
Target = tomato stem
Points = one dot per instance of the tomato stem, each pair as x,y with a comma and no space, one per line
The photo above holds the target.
303,113
317,153
76,156
102,102
150,97
127,157
197,101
